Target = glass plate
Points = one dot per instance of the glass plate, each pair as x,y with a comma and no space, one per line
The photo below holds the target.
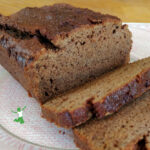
36,132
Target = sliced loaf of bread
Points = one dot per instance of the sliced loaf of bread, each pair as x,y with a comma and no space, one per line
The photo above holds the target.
52,49
129,129
100,97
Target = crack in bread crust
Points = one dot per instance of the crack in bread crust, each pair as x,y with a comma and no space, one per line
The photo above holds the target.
18,34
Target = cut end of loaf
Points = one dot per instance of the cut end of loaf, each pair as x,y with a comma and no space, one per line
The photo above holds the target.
94,50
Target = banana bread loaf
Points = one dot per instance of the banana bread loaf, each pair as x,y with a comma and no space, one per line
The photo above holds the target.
55,48
100,97
129,129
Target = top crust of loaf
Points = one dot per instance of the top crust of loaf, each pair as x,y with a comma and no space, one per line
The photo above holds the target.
54,22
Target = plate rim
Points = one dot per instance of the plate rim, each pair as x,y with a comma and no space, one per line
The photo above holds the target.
13,136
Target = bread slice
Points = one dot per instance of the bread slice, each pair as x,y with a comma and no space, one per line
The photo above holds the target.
55,48
128,129
100,97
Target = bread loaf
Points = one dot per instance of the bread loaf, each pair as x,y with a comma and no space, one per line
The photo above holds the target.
52,49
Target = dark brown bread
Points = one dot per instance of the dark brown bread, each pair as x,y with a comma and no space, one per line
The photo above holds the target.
55,48
129,129
101,97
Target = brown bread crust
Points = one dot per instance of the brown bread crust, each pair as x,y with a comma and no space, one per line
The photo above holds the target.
18,58
130,91
54,21
110,104
67,119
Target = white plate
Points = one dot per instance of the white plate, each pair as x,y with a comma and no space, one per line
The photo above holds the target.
36,132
